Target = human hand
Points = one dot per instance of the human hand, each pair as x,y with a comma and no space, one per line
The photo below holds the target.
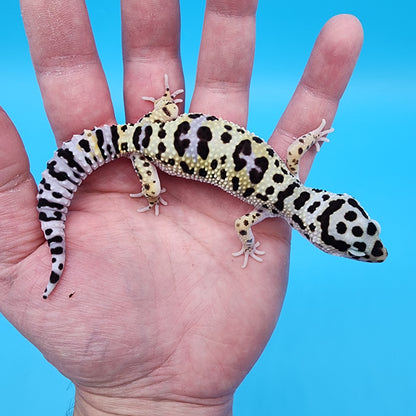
163,319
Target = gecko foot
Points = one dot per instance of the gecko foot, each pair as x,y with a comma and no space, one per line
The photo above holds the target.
152,203
319,135
250,252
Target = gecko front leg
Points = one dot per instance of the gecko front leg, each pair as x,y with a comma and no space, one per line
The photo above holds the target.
301,145
243,227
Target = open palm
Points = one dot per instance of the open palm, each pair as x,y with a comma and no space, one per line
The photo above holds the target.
160,310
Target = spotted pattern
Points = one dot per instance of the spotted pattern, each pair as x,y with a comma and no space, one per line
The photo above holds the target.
208,149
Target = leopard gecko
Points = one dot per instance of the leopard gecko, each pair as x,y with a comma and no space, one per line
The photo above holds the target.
208,149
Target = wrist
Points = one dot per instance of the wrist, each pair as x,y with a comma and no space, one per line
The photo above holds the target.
88,404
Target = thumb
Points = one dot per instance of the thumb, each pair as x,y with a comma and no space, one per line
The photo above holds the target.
20,233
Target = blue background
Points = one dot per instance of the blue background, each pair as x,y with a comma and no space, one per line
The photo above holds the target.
345,343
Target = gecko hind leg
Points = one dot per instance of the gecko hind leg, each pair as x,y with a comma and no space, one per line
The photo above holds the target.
249,245
151,188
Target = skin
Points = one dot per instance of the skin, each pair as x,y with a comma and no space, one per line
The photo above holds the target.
162,321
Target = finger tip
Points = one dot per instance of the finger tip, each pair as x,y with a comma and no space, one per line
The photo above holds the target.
345,32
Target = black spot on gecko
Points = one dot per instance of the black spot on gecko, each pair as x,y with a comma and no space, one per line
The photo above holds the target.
282,195
48,231
223,173
270,151
115,137
212,118
270,190
236,183
54,277
45,218
257,139
227,127
194,115
60,176
56,239
124,147
257,174
360,246
226,137
202,172
301,200
350,216
324,219
312,208
341,228
57,250
214,164
85,145
68,156
100,142
278,178
50,204
355,204
248,192
148,130
297,220
186,169
357,232
262,197
166,111
181,144
136,138
45,184
205,135
371,229
161,148
162,132
377,250
244,147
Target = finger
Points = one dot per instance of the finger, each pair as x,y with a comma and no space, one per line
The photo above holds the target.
151,35
226,59
324,80
69,72
19,230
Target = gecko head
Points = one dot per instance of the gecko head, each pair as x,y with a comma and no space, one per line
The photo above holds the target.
348,231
